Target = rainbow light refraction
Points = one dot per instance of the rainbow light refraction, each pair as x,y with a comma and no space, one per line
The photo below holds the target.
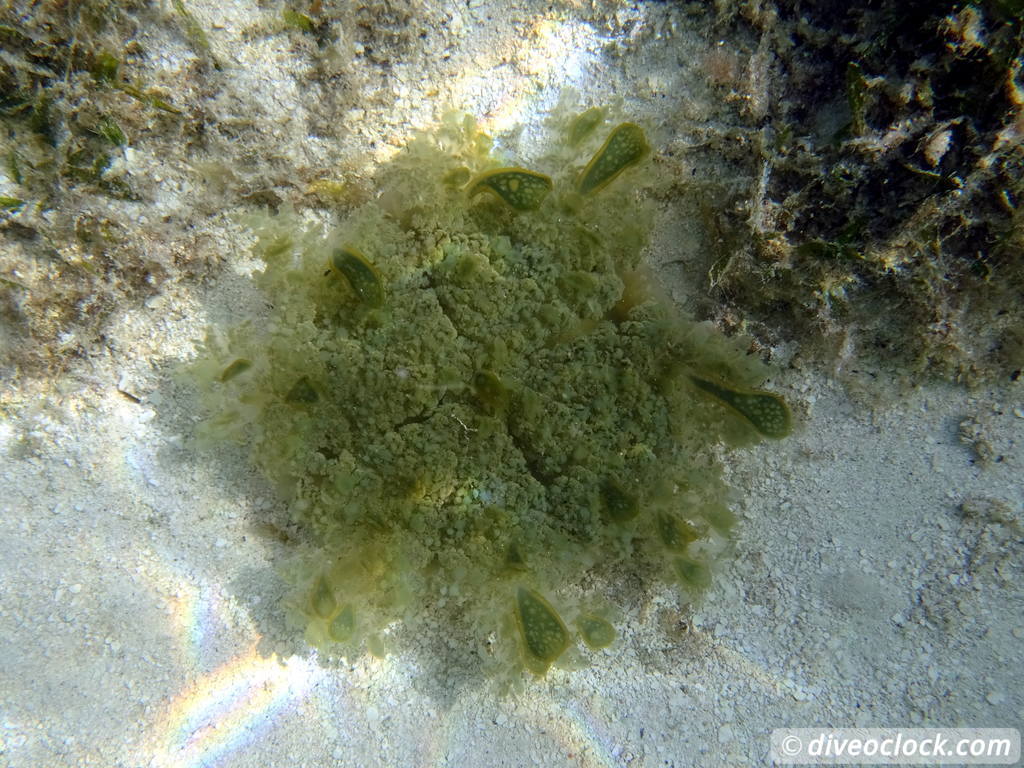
231,706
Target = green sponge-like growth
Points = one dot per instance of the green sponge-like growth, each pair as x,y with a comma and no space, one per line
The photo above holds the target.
479,402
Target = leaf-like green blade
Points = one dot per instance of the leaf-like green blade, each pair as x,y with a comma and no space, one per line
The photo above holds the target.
595,631
766,411
343,625
360,274
625,146
541,629
584,124
522,189
693,574
675,534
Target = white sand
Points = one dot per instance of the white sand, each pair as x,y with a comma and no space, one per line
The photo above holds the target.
876,578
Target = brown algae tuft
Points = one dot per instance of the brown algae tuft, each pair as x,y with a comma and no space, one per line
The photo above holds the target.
515,414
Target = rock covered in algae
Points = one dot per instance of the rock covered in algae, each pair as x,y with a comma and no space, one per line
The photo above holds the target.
478,402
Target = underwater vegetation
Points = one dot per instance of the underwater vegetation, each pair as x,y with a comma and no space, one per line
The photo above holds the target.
881,225
474,403
73,107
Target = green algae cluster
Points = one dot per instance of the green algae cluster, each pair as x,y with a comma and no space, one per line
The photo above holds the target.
474,403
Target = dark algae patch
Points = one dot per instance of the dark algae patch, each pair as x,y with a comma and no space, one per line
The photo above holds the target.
473,407
879,224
